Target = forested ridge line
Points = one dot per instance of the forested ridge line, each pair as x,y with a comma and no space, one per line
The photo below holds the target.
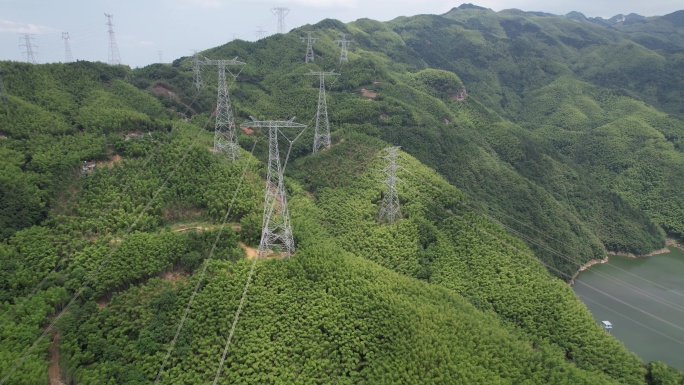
490,312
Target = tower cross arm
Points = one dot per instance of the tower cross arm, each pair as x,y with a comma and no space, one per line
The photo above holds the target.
343,42
273,123
308,37
233,61
322,73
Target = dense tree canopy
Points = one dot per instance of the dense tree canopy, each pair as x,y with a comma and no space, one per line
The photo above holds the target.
531,144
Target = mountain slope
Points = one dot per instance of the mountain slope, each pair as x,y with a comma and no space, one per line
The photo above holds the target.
447,294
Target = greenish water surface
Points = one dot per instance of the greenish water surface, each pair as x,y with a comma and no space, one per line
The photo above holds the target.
644,299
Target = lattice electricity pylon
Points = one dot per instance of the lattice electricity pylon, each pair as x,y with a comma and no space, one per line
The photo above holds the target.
260,33
322,132
344,45
390,209
28,44
276,231
225,137
3,95
68,58
281,12
310,40
197,71
114,57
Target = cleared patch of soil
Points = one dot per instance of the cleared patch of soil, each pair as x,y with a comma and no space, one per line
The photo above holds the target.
173,276
54,372
175,214
250,251
193,226
247,130
161,90
110,163
366,93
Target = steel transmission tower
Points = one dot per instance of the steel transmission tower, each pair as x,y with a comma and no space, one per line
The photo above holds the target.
310,40
281,12
161,56
344,45
67,49
390,210
225,137
114,57
276,231
260,33
197,70
322,132
29,46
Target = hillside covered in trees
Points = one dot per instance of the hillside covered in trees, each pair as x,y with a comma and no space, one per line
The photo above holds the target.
531,144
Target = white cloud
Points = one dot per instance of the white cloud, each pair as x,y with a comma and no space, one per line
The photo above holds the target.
14,27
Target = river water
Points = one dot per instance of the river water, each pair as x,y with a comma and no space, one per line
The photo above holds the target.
644,299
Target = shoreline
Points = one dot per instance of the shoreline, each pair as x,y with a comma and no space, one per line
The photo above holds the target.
668,243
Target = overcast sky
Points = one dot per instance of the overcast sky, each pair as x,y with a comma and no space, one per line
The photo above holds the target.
143,28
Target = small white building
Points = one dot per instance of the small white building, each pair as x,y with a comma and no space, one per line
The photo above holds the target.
606,325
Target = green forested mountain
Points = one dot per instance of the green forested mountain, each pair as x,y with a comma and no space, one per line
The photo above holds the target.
567,145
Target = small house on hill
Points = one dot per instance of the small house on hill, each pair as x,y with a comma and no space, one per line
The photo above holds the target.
606,325
87,167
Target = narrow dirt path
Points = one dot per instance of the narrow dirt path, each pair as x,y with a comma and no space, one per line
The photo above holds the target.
54,373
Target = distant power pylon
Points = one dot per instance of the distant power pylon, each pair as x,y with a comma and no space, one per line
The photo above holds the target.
225,137
3,94
29,46
310,40
390,210
344,45
260,33
67,49
276,231
281,12
322,132
197,70
114,58
161,56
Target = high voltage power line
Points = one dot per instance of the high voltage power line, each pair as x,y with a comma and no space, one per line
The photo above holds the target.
9,314
530,256
557,240
104,262
276,228
203,272
569,259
